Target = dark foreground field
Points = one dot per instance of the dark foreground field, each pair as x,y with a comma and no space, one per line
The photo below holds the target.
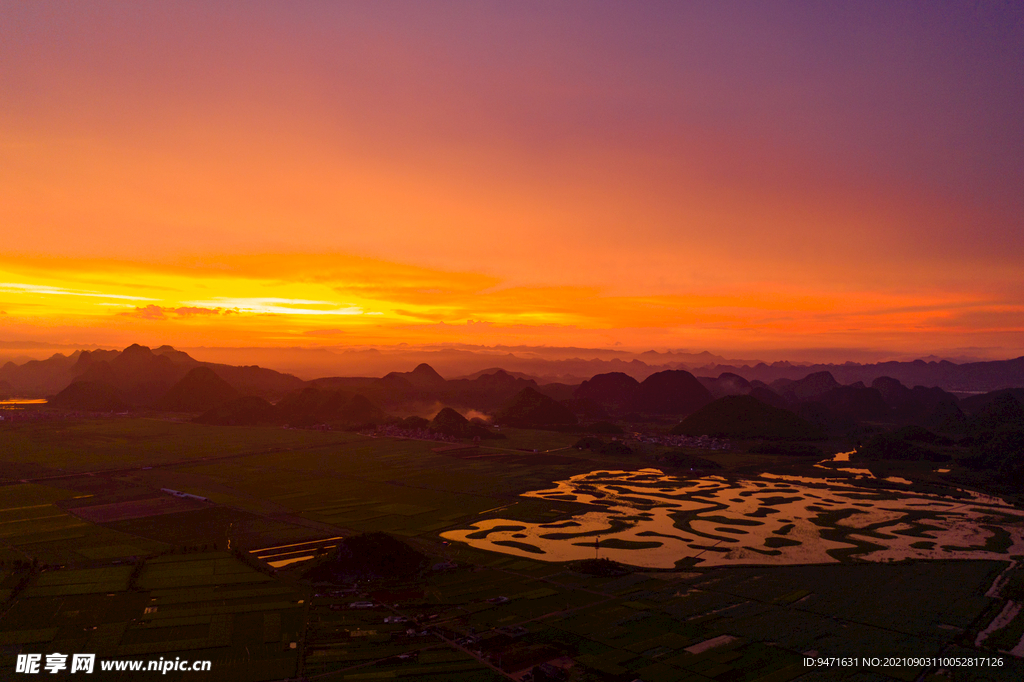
100,555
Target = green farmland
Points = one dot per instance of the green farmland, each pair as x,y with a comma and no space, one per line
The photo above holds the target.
137,538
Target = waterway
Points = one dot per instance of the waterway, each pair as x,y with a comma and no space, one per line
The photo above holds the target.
649,519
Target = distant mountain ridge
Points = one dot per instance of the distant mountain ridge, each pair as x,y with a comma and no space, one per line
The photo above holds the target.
139,375
38,378
985,376
167,380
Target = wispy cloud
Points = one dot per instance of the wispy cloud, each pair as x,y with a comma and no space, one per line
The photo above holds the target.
279,306
155,312
58,291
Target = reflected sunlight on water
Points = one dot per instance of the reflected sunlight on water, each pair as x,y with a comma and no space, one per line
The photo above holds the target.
645,518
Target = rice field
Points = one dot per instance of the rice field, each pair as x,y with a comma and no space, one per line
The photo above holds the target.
765,573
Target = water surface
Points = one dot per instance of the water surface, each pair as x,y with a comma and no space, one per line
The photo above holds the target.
645,518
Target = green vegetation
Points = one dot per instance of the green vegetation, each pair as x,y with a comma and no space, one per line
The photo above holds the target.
894,446
276,488
741,416
367,556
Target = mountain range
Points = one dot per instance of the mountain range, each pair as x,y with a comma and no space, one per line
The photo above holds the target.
817,402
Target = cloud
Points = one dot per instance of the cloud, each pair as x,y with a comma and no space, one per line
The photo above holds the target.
280,306
150,312
324,332
192,311
155,312
19,288
420,316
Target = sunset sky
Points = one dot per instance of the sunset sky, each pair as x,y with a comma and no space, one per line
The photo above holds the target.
736,177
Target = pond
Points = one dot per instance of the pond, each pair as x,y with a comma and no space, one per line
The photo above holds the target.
645,518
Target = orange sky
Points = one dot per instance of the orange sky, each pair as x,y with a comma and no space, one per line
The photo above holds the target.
799,177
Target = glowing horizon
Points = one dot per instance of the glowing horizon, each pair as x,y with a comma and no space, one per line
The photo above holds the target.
645,177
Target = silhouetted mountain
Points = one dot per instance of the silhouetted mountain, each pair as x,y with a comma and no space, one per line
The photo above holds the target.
6,390
945,416
397,387
975,403
929,407
254,380
917,434
726,384
423,376
176,356
497,381
87,357
415,423
1003,413
675,392
357,411
811,387
40,377
585,408
347,383
558,391
451,423
768,397
312,406
89,396
614,391
818,414
369,555
198,391
304,407
530,408
970,376
742,416
246,411
895,394
1001,453
486,392
140,375
855,403
492,370
892,446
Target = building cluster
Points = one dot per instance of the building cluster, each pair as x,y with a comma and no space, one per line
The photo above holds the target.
700,442
399,431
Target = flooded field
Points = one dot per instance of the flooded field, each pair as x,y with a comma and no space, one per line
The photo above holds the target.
645,518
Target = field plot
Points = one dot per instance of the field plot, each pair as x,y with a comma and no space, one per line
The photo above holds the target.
110,444
372,484
210,526
27,495
32,525
137,509
195,606
745,623
359,643
491,600
295,552
241,619
212,568
82,581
